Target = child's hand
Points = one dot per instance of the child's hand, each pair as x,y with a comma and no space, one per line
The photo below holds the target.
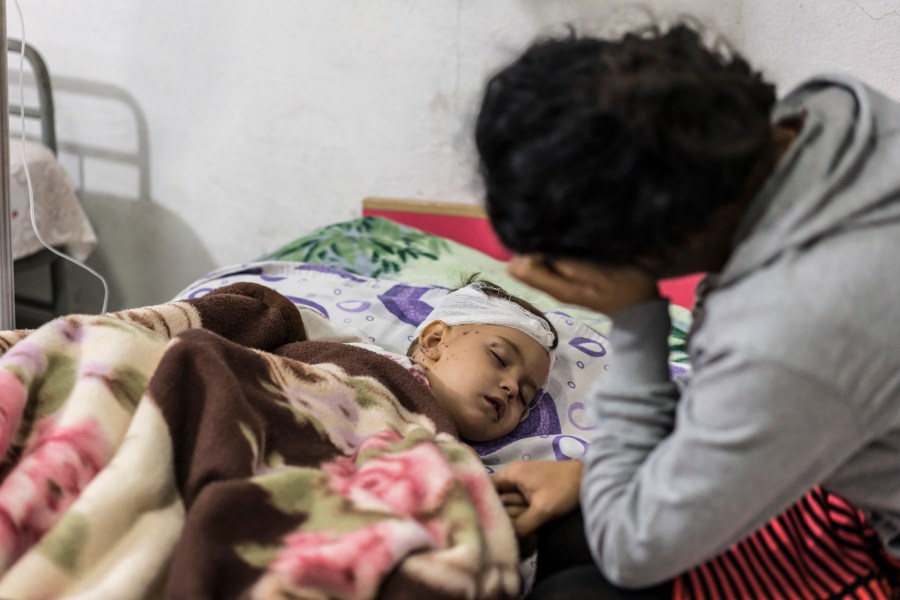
516,505
604,290
537,492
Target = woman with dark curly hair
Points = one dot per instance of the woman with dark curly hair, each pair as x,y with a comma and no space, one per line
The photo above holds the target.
612,164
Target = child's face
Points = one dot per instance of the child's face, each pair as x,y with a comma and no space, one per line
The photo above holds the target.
484,376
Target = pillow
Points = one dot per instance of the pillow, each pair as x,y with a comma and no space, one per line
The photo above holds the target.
377,247
387,311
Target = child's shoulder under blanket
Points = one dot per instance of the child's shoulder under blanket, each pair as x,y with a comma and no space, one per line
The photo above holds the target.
205,449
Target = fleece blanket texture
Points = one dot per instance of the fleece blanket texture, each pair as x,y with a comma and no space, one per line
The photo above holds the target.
207,449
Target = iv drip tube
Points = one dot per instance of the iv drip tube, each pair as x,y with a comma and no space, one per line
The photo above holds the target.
7,289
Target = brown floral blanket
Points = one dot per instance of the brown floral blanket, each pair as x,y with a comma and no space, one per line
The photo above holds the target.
205,449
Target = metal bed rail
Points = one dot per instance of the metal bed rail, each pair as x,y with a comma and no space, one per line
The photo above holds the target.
44,111
31,310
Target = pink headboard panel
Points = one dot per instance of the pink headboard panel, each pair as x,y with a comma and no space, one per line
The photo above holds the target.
472,230
681,290
468,225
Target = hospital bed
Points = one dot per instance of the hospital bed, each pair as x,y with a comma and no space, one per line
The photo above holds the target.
116,526
40,275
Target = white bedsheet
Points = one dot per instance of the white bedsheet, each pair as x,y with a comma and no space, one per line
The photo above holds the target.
59,214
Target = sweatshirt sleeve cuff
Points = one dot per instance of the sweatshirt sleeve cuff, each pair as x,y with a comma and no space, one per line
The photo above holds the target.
640,342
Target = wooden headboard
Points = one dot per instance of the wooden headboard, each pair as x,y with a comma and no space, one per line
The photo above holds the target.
468,225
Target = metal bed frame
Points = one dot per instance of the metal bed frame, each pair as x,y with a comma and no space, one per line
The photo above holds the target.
32,311
44,111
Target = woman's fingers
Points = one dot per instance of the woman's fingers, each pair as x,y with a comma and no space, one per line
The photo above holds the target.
603,289
533,270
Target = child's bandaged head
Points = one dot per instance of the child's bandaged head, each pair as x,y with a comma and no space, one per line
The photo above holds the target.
471,305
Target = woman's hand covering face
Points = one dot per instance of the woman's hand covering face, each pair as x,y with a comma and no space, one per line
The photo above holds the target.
603,289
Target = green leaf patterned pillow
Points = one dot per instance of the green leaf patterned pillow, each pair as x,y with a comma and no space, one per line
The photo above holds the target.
380,248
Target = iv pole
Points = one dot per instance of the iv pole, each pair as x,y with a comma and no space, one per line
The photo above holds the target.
7,289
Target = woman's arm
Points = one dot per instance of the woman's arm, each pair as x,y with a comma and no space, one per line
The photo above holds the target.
672,481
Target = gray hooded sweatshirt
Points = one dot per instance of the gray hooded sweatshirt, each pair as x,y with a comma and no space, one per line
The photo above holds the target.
795,349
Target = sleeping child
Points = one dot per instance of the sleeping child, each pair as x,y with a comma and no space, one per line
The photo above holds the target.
208,449
484,354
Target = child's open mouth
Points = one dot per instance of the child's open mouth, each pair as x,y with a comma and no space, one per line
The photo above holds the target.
497,404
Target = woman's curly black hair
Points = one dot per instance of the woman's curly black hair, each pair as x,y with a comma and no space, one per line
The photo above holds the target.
607,150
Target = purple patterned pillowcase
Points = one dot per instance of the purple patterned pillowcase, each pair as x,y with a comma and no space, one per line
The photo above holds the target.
386,313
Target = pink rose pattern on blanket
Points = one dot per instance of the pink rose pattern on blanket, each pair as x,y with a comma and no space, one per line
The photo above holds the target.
55,452
411,483
202,450
58,464
349,565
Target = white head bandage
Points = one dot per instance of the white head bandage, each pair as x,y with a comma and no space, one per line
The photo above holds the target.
470,305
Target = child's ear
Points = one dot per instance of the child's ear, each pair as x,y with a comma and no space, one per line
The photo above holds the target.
430,339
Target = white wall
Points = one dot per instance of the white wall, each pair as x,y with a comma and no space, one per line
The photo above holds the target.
203,133
793,40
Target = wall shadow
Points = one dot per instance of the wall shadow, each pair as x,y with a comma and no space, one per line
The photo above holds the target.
146,251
